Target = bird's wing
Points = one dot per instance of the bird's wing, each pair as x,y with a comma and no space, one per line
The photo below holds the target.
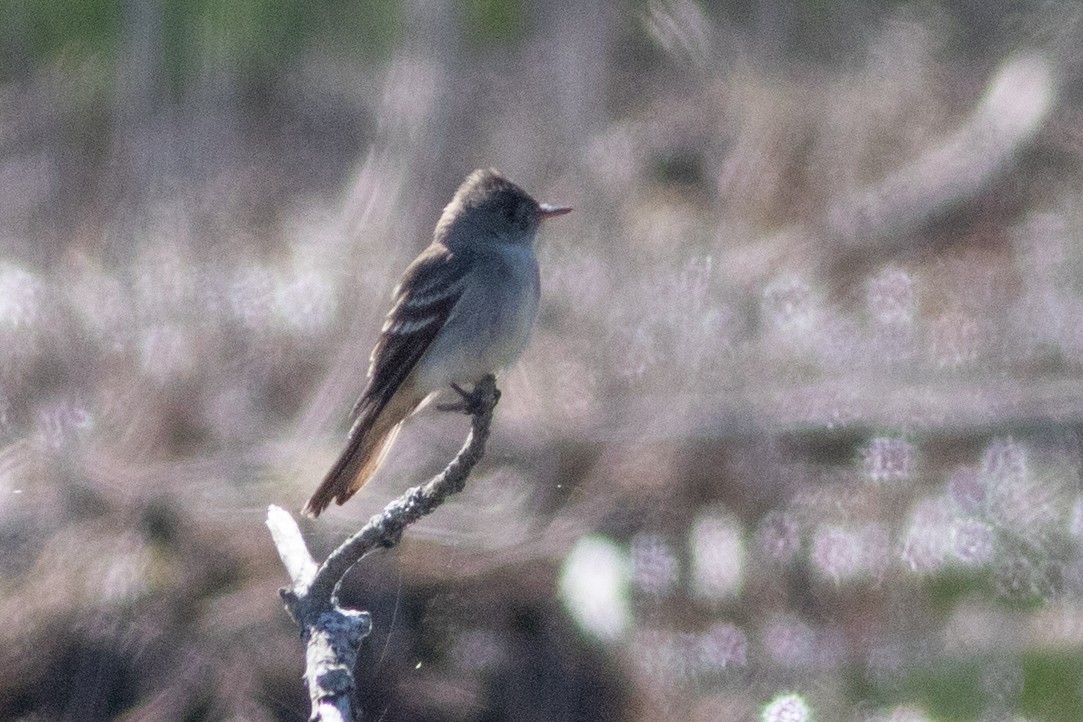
423,301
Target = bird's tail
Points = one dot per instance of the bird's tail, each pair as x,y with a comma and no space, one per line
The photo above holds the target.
371,438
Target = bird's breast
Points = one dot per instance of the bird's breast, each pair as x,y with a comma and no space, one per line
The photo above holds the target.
491,324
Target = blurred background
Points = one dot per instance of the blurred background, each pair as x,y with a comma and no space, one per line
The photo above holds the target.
799,434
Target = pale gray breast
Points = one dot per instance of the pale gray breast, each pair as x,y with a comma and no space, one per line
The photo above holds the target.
491,323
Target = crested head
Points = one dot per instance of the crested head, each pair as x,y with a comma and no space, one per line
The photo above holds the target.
488,207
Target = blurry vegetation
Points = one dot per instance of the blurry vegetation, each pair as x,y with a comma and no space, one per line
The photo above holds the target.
493,21
800,427
255,37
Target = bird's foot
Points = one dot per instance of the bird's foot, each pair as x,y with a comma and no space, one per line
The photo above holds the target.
471,402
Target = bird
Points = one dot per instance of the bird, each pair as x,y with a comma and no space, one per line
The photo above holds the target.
463,309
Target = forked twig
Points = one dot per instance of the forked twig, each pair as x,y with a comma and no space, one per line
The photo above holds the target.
333,635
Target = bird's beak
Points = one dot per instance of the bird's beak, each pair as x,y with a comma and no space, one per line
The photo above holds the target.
549,211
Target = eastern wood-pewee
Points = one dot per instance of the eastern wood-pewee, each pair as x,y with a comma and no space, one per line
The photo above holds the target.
464,308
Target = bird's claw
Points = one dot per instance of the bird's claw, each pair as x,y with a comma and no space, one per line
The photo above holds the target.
470,402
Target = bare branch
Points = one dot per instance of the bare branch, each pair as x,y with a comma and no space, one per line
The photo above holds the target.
291,547
333,635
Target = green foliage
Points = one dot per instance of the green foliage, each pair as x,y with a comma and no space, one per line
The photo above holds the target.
250,36
40,30
260,38
494,21
366,28
1051,686
253,37
947,691
961,689
947,588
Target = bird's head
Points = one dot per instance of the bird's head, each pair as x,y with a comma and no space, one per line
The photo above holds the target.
488,207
